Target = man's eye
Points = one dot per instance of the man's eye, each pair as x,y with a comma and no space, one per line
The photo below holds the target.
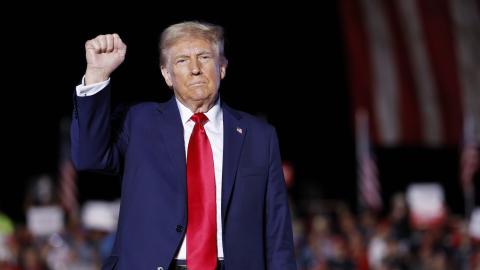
179,61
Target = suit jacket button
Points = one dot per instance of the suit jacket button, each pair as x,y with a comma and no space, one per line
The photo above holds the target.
159,268
179,228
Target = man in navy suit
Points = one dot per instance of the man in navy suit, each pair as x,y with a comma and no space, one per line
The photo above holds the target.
150,150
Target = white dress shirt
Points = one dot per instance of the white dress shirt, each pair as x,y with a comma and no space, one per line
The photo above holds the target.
214,129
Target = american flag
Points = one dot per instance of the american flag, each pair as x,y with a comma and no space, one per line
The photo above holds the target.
67,186
469,163
368,183
414,65
469,157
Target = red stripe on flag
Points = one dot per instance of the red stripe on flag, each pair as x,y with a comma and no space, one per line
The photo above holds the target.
358,55
437,26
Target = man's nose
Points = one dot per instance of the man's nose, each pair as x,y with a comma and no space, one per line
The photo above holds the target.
195,67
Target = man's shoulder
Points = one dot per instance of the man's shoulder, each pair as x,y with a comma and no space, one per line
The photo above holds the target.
259,121
138,110
145,106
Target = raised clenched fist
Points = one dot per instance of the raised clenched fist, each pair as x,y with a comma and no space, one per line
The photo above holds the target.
104,54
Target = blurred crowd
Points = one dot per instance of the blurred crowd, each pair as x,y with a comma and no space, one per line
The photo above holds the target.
55,237
336,238
75,248
331,236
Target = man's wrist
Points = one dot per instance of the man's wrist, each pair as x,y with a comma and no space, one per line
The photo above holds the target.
93,76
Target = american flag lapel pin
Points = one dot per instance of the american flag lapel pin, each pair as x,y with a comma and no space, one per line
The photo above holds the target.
239,130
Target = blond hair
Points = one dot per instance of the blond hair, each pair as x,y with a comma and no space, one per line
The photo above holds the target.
173,33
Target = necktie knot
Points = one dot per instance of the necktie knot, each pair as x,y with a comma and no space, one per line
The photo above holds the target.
199,118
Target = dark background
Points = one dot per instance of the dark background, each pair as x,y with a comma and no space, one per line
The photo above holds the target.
286,64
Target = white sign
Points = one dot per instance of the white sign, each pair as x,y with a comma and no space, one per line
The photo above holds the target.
100,215
426,203
45,220
474,227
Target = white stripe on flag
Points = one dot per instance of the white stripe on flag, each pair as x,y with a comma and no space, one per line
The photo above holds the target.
385,85
466,28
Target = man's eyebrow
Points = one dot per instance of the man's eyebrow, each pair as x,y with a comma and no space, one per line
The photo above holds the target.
180,56
204,52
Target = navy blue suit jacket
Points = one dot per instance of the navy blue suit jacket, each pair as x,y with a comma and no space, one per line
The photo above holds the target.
147,149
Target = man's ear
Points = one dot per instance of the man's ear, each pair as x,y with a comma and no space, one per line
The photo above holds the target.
223,68
166,75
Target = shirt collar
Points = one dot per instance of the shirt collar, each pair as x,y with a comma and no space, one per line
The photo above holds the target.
213,114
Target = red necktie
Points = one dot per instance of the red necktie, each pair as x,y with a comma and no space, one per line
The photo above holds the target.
201,226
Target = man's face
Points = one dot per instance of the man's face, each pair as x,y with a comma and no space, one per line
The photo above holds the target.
194,69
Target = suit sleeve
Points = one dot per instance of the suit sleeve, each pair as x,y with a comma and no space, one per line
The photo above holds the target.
279,242
97,137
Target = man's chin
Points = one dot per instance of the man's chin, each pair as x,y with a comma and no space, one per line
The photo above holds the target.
201,94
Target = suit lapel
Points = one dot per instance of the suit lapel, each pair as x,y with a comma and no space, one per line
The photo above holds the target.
172,133
233,135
